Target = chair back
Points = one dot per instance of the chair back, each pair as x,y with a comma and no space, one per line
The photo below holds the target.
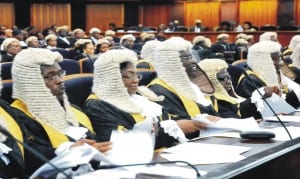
148,76
78,88
6,92
6,70
86,66
65,53
71,66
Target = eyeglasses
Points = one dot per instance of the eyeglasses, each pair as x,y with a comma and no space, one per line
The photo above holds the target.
54,75
224,78
190,57
133,76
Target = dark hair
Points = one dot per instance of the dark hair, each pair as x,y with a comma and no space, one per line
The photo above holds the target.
249,23
124,65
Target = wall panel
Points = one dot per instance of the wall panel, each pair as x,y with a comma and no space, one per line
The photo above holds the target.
45,15
100,15
153,15
7,14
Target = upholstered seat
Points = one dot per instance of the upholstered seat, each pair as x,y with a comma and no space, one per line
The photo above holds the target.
71,66
86,66
148,76
78,87
6,70
6,91
65,53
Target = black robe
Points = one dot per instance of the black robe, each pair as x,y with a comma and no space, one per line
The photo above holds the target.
16,167
175,106
242,110
36,137
106,117
246,86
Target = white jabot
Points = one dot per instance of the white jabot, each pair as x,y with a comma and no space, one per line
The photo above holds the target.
149,108
200,97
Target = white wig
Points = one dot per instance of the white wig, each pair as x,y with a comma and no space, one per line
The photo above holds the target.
125,37
295,56
108,84
169,67
212,67
260,60
294,42
29,87
268,36
148,49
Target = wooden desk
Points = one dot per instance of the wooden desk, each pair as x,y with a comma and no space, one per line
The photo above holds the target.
266,159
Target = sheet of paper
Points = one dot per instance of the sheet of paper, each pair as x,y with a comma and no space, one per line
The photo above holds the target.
75,156
281,134
195,147
131,147
207,158
283,118
199,153
279,105
230,123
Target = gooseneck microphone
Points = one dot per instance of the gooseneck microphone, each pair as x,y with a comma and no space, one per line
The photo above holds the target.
265,100
34,152
152,163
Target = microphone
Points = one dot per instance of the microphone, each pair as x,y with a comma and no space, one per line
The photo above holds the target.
152,163
33,151
265,100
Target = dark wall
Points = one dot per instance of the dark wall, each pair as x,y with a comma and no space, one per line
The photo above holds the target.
78,12
22,13
131,16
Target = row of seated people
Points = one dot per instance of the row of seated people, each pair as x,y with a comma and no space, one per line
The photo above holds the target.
190,29
69,65
78,86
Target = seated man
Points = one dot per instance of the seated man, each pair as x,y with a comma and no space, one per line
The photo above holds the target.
264,61
43,106
182,100
115,103
225,101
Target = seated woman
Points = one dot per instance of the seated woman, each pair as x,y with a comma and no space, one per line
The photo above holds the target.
225,101
115,103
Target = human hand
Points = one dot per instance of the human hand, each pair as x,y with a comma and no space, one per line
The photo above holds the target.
268,91
83,141
276,90
212,118
103,146
189,126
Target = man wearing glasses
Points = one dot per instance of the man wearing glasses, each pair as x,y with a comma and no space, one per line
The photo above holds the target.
50,120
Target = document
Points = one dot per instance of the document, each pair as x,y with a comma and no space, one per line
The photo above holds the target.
226,124
279,105
131,147
200,153
283,118
281,134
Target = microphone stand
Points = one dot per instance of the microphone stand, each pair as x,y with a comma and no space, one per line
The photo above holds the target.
33,151
152,163
268,104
